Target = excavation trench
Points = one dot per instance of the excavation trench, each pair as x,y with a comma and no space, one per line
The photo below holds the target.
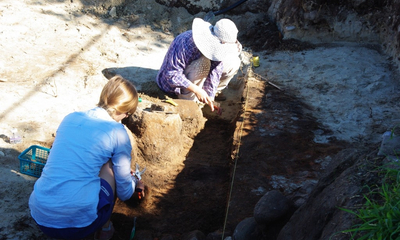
229,165
221,169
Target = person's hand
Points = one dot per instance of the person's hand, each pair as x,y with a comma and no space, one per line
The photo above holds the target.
202,96
140,185
211,104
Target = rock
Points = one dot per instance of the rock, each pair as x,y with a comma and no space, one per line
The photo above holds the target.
113,12
247,230
272,212
390,145
271,207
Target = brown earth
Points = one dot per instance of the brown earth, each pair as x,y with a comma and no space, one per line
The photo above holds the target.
230,163
201,193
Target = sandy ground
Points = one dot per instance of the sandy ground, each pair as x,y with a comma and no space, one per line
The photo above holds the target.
54,54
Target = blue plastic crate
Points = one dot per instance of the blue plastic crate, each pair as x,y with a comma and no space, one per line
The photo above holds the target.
33,159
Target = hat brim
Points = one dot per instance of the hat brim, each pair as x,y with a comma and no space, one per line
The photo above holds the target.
208,44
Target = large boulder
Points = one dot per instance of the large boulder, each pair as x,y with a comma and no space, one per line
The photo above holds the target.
247,230
273,206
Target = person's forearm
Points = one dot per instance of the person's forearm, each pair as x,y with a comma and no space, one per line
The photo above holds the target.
193,88
201,95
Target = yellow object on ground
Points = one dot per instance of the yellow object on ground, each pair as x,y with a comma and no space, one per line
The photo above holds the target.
170,101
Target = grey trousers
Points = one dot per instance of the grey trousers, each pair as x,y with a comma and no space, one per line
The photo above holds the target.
199,69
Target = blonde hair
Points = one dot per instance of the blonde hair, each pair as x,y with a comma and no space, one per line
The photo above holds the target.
118,95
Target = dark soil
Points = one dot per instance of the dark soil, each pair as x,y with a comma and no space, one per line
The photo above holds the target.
265,36
265,141
228,161
244,155
198,199
277,140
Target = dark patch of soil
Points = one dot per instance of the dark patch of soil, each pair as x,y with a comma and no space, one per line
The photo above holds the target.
265,35
198,198
272,137
277,141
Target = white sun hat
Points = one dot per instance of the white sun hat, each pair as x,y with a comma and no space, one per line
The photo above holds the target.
216,42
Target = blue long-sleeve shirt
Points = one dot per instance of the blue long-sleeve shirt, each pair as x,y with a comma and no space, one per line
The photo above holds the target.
181,53
67,193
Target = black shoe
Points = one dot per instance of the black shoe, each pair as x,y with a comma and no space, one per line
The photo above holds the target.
221,97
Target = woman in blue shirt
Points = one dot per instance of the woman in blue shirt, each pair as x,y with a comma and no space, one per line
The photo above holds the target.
89,165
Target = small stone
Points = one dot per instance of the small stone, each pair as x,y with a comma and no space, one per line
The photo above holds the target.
113,12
